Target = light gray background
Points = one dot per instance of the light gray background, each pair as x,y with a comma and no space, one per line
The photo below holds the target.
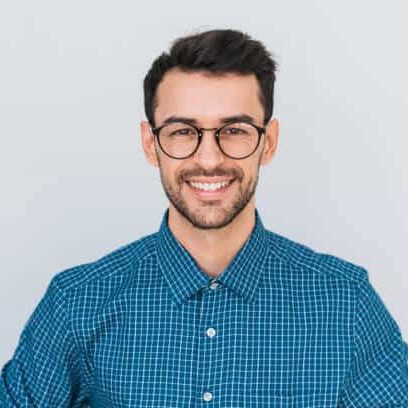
74,182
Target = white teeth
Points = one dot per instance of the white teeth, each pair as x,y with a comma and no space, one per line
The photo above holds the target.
209,186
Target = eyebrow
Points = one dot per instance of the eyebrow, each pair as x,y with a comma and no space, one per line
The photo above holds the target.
229,119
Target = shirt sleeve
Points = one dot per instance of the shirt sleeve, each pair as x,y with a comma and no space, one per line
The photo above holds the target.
378,376
45,370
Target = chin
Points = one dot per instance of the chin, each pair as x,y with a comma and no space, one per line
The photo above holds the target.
209,217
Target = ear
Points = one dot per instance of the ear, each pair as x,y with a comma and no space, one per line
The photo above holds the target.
148,143
271,141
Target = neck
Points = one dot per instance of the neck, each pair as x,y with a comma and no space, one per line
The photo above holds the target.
213,249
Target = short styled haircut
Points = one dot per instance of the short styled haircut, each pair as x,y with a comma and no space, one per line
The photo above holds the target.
216,52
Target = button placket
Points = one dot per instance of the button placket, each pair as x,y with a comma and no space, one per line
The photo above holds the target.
207,342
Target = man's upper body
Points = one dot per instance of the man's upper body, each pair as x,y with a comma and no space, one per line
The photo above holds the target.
283,326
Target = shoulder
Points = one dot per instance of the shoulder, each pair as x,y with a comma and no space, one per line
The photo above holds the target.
300,257
111,269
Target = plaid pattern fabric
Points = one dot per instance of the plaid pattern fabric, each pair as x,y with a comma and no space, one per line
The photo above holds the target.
282,326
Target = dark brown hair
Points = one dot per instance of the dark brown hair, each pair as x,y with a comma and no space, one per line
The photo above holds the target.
216,52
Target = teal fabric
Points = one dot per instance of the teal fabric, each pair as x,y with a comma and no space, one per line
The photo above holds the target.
282,326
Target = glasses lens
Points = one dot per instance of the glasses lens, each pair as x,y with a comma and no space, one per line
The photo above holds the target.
238,139
178,139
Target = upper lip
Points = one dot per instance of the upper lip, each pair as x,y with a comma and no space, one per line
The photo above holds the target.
210,180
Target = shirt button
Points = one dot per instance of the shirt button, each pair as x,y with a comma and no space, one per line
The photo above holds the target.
211,332
214,285
207,396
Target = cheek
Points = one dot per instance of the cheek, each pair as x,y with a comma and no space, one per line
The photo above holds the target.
250,170
170,171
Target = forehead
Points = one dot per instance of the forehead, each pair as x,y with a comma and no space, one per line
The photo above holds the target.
207,97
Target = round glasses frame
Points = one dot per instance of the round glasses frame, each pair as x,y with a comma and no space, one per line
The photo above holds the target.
217,131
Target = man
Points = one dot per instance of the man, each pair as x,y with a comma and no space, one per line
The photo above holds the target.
213,309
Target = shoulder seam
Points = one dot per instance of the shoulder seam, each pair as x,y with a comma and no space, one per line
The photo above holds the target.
289,260
131,263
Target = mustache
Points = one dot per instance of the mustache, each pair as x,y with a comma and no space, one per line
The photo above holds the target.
229,173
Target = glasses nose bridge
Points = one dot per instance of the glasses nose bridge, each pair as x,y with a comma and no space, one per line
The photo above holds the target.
213,130
214,135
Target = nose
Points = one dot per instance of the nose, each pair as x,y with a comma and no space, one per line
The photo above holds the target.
208,153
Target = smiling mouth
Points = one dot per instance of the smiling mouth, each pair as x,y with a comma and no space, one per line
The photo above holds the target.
210,190
206,186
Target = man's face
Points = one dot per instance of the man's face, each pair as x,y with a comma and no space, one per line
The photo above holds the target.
208,100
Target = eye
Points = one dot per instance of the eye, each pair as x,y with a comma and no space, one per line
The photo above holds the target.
183,132
234,131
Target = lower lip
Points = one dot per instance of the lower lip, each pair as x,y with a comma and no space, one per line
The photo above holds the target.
211,194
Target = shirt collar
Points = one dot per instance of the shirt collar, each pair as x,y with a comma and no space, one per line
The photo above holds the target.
184,277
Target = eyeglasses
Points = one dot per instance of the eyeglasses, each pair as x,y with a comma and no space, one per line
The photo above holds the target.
180,140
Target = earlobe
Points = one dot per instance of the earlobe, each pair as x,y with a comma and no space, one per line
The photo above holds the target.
148,143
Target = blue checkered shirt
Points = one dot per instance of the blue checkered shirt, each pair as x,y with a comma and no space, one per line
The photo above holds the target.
282,326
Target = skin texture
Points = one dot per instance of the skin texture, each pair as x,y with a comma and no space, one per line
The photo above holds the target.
212,230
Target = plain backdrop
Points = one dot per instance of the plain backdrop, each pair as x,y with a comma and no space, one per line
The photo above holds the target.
75,184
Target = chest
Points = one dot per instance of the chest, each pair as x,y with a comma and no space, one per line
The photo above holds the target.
284,350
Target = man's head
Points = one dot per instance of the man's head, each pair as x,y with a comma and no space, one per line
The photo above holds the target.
217,52
208,80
